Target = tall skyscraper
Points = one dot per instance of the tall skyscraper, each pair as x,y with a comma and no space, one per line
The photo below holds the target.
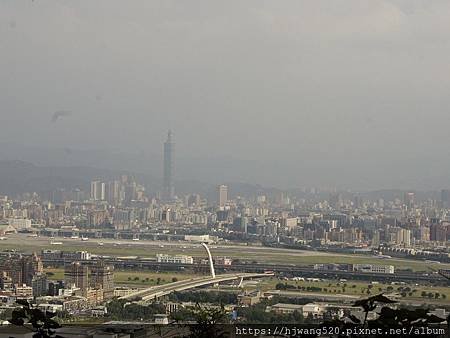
168,185
222,195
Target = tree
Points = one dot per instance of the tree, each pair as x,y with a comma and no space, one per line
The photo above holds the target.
39,322
120,309
206,319
388,319
370,303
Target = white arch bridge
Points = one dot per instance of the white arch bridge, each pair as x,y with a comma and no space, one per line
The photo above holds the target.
154,292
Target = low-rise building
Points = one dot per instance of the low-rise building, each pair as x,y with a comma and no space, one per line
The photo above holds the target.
178,259
372,268
282,308
223,261
123,291
23,291
50,307
249,298
19,223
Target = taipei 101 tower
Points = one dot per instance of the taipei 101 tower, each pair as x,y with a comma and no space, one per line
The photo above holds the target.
168,186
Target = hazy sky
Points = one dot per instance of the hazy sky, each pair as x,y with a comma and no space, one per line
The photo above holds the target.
345,93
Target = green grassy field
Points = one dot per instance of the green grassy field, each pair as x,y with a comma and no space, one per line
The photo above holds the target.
357,288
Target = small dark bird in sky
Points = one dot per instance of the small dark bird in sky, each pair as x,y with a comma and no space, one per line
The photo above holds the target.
58,114
68,151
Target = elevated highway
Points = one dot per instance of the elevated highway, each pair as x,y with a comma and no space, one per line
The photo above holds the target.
155,292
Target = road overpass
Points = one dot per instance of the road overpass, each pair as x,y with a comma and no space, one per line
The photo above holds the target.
155,292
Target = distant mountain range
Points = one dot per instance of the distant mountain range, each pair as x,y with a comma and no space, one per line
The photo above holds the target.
19,177
41,169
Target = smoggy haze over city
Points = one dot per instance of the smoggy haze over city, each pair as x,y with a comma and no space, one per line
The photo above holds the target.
312,93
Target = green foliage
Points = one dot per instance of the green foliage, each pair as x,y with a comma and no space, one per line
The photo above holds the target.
257,314
6,314
389,318
206,319
121,310
284,286
204,297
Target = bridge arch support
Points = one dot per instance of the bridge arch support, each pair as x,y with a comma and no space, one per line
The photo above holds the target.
211,263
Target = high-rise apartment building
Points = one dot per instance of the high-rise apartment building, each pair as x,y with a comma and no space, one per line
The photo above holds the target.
438,232
123,219
168,183
403,237
424,233
77,274
31,265
97,276
97,217
39,285
113,192
98,191
222,191
409,199
22,269
101,276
